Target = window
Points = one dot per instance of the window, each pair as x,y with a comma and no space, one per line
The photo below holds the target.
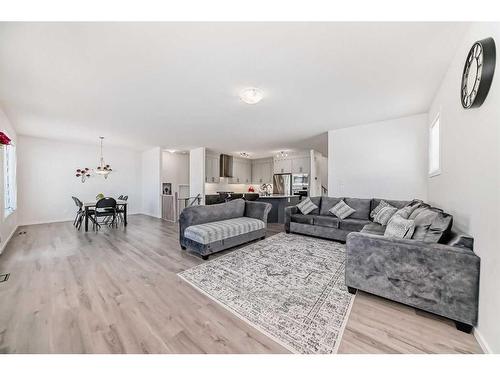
435,149
10,188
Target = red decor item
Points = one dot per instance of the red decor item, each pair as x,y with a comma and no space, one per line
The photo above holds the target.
4,140
251,189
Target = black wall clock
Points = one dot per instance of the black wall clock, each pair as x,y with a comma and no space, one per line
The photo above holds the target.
478,73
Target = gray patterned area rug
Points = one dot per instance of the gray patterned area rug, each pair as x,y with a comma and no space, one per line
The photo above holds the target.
290,287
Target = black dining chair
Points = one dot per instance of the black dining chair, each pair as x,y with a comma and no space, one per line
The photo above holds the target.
120,210
79,214
104,208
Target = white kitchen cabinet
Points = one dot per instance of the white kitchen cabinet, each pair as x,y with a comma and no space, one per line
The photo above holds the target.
283,166
212,168
242,171
262,171
301,165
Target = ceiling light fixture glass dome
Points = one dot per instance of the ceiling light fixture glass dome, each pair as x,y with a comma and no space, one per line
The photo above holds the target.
251,95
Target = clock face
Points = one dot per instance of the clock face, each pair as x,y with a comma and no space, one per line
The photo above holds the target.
478,73
472,75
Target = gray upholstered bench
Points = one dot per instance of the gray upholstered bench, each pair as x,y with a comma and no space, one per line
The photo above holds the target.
209,229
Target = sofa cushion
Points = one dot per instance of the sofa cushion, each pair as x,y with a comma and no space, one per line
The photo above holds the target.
362,207
439,228
302,219
418,210
399,227
220,230
326,204
423,222
374,228
326,221
342,210
306,206
384,215
353,225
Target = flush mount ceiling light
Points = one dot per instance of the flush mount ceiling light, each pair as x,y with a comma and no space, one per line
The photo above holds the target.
244,155
251,95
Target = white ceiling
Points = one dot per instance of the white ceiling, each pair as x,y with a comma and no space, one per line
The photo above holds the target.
176,84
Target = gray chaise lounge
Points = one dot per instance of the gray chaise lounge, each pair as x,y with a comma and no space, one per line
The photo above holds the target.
438,273
209,229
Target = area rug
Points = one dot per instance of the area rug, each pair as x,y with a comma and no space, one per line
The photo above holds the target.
288,286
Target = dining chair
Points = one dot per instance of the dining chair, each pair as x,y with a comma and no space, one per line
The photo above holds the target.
104,208
79,214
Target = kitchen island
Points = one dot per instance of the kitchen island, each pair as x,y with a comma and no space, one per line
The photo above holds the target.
278,203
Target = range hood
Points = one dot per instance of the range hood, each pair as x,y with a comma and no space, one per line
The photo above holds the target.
226,166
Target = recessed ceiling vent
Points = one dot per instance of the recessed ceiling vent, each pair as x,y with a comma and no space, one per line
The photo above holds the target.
226,166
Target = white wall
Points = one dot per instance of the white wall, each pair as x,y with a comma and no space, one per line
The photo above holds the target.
46,178
469,185
197,173
8,224
386,159
151,182
175,169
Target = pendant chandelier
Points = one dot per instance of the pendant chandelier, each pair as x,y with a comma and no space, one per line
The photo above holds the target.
103,168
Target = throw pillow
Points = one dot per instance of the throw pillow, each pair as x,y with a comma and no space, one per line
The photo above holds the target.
377,209
384,215
342,210
407,210
306,206
399,227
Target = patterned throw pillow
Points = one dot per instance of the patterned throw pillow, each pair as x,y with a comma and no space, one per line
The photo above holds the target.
342,210
306,206
377,209
399,227
384,215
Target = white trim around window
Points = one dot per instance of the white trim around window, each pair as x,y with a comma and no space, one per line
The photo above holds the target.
435,147
9,180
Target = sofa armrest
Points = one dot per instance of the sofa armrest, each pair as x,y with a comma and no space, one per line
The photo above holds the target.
257,210
438,278
289,211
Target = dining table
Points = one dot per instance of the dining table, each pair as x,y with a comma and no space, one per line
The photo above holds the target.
91,204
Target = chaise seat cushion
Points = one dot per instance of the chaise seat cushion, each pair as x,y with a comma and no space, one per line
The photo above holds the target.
374,228
221,230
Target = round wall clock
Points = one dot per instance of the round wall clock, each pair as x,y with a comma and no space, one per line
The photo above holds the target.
478,73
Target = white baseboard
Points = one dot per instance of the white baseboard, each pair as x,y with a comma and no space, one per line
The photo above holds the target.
482,342
60,220
4,245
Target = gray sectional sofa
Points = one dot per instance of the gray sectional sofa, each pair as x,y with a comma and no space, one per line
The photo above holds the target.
436,270
209,229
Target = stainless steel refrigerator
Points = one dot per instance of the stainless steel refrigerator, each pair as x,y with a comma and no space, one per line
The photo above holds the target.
282,184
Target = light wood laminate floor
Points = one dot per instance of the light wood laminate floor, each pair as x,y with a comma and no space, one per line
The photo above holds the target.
117,291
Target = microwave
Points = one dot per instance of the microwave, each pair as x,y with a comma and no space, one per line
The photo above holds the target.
300,180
